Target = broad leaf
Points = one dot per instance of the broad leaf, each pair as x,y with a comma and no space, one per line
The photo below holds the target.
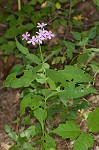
28,132
40,114
51,84
9,80
24,81
76,74
82,59
21,48
76,92
49,142
69,45
70,48
83,42
92,33
7,128
77,35
22,140
26,120
18,69
69,130
13,136
93,121
56,76
31,101
83,142
33,58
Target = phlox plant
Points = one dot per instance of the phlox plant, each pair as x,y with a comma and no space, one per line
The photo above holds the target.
44,88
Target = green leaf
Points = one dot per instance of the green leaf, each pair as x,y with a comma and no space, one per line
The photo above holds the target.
76,92
9,80
83,142
63,22
69,130
69,45
56,76
22,140
31,131
16,121
28,132
18,68
70,48
94,67
82,59
30,100
24,81
83,42
33,58
21,48
41,78
76,74
76,35
13,135
40,1
93,121
28,9
93,50
52,54
51,84
9,47
56,24
14,147
92,33
40,114
62,1
3,40
96,2
49,142
7,128
26,120
11,32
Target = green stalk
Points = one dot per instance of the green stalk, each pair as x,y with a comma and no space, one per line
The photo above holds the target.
43,147
43,136
19,4
42,59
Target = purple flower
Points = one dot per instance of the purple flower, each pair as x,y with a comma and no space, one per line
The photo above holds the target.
41,25
39,39
32,40
25,36
42,32
46,34
42,35
49,35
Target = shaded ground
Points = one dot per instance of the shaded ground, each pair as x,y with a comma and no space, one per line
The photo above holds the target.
9,98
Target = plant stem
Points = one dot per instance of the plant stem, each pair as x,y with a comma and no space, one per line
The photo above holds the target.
19,4
43,137
43,147
43,130
42,59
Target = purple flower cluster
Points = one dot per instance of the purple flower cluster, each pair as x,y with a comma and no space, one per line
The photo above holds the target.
40,36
